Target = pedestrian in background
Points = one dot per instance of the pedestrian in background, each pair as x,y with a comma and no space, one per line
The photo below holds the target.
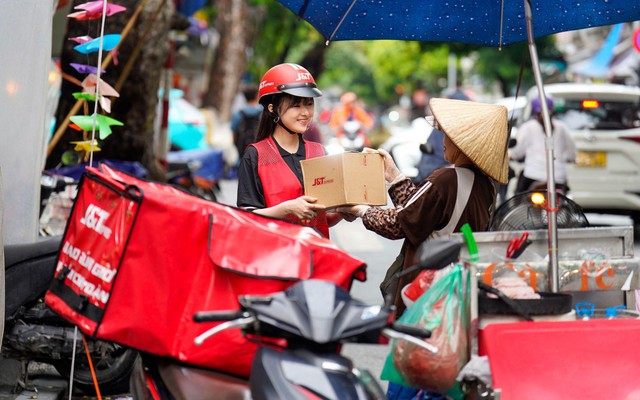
244,122
270,176
530,147
349,110
419,103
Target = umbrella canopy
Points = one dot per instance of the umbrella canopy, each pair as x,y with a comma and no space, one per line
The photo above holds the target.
484,22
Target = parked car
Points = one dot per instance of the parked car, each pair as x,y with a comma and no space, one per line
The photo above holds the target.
604,122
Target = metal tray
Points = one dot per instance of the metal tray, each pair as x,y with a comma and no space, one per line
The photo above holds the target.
548,304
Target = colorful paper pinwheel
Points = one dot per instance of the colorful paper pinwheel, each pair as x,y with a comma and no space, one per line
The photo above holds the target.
86,69
89,85
84,95
86,146
93,10
103,123
81,39
109,42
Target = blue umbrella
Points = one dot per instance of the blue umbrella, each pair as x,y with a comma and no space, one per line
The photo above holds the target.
485,22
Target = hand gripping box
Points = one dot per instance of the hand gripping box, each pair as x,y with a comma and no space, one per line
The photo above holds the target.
139,258
345,179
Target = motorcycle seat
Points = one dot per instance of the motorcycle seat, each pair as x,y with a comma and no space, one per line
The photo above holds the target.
18,253
29,269
197,383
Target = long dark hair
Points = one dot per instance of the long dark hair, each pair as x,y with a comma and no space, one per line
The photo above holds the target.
281,103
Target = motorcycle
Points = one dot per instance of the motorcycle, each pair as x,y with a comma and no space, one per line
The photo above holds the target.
35,333
196,171
352,136
314,318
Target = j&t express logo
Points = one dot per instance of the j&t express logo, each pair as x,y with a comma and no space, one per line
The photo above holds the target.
94,218
321,181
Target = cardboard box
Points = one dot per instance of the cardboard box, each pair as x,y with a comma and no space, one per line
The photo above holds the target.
345,179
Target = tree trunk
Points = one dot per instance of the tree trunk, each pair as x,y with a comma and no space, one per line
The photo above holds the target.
236,27
136,76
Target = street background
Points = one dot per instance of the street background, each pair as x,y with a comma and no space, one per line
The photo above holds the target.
377,252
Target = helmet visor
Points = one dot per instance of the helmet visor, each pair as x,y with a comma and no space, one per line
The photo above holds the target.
305,89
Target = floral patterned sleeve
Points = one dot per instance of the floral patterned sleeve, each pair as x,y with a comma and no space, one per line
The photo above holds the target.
384,222
401,191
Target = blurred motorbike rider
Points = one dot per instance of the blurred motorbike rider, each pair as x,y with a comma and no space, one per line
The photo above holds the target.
475,142
349,110
270,176
531,147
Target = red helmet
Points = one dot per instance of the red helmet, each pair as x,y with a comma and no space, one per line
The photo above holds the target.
288,78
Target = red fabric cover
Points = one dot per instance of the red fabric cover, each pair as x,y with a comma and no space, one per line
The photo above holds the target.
274,172
594,359
148,256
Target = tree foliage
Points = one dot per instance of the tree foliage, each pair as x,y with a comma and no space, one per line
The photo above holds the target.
504,65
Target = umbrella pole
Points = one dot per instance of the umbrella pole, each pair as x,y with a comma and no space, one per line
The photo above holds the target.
552,215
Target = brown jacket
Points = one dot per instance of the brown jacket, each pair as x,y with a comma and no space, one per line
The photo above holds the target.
421,210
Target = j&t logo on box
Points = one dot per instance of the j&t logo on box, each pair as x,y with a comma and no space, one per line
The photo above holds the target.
321,181
94,218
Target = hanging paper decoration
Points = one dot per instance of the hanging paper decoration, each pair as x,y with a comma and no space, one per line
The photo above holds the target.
81,39
94,88
90,82
94,9
109,42
85,122
89,85
86,69
84,96
86,146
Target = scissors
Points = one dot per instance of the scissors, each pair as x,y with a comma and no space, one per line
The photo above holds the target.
518,245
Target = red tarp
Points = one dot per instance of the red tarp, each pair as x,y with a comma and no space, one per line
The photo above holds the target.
594,359
138,259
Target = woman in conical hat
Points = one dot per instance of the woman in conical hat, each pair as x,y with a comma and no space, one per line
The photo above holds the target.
476,144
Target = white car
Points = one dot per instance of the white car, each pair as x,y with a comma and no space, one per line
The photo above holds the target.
604,122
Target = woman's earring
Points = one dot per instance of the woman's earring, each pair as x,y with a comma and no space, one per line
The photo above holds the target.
276,119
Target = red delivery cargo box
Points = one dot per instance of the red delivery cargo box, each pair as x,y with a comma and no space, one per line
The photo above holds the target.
139,258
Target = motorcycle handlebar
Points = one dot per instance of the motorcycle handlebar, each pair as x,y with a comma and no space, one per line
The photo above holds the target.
211,316
411,330
394,334
241,323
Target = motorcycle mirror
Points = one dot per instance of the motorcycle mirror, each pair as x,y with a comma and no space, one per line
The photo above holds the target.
437,253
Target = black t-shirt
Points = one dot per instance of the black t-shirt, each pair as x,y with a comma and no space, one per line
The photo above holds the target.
250,192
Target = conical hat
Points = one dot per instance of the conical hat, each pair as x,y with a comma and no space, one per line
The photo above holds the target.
480,132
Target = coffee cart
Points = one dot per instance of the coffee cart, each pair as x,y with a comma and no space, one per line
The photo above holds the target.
568,355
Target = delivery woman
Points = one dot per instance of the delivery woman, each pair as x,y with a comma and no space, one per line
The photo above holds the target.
270,176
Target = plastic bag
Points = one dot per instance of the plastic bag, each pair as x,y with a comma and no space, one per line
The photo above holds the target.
443,310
